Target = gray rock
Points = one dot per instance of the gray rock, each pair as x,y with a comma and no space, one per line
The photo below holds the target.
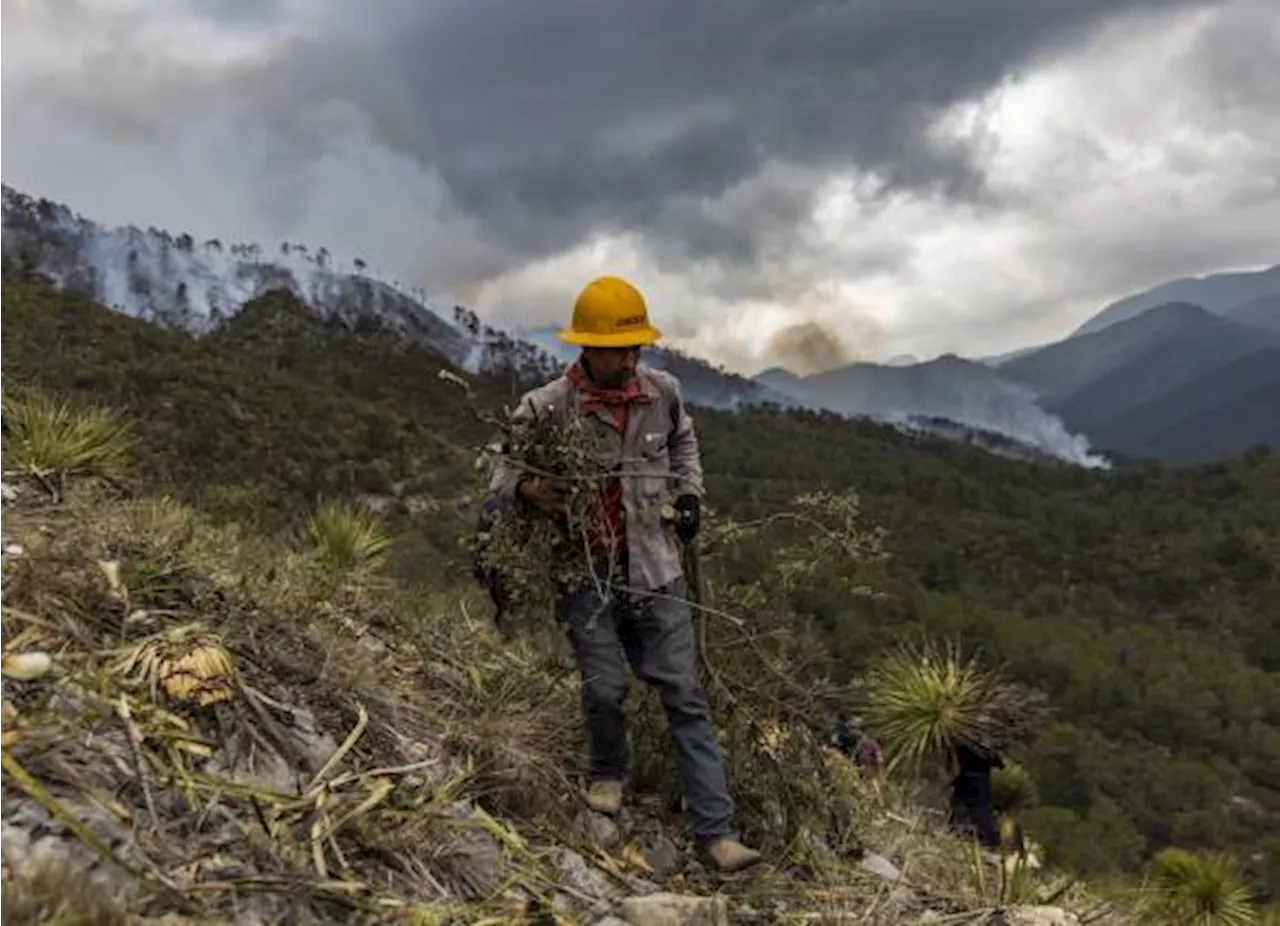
611,920
879,865
373,645
447,675
1034,916
260,769
315,745
468,861
32,843
641,887
600,829
675,910
663,856
582,879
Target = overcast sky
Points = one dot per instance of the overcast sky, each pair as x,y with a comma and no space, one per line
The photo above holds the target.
802,181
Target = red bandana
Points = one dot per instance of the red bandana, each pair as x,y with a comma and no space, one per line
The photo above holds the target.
596,398
609,531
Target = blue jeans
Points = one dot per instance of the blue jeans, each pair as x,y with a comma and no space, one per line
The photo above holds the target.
655,635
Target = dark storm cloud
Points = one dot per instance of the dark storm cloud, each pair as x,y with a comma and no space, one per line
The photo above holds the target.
551,120
235,12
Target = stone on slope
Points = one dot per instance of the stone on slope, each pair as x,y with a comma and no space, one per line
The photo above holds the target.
1034,916
675,910
879,865
600,829
584,880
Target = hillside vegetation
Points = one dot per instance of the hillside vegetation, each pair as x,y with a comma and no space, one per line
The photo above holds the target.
1144,602
206,722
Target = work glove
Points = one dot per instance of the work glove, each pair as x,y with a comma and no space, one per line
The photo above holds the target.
688,517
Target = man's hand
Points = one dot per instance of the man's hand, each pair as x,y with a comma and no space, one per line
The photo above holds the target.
688,517
545,495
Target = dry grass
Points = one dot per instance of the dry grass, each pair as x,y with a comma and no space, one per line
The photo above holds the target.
194,677
53,894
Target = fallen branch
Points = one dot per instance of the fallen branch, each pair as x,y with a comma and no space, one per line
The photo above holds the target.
362,721
139,763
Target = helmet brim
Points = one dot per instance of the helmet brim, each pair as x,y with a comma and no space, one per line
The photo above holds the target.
641,337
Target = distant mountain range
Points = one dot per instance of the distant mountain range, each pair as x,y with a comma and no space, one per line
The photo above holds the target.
1223,293
948,388
1176,381
1184,372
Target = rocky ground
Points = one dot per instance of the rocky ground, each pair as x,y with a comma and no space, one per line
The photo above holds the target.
201,726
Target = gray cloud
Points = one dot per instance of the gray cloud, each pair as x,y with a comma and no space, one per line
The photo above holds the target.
463,142
248,13
552,120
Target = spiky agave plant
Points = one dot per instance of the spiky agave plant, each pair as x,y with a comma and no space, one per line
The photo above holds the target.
1013,790
52,438
925,701
1203,889
344,537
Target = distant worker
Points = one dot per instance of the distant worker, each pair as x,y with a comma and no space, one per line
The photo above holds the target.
864,750
971,811
638,417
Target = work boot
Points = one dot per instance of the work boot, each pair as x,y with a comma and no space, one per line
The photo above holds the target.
604,797
729,855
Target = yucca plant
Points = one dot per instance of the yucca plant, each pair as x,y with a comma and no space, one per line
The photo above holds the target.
343,537
925,701
1201,889
52,438
1012,789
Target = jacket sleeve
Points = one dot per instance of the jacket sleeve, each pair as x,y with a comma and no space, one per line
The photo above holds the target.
506,476
686,461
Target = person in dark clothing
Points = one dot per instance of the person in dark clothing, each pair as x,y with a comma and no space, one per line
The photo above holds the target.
856,745
846,736
971,812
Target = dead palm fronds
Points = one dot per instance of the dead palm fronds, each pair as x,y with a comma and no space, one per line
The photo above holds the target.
188,664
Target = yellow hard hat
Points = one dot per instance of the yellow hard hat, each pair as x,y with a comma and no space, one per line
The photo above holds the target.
610,312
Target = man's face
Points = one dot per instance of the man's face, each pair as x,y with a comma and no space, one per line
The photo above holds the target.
611,367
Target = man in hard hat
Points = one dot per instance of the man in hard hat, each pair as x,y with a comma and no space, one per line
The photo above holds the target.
644,431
